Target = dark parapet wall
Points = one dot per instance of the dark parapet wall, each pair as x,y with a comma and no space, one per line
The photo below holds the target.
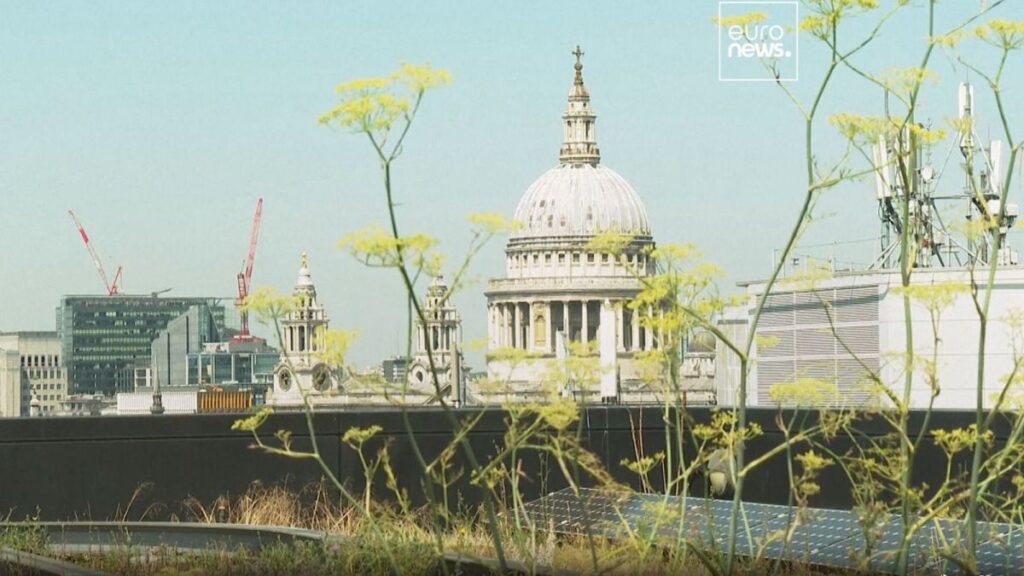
130,467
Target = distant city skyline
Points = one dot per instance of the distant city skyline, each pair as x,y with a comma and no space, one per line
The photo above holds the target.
160,125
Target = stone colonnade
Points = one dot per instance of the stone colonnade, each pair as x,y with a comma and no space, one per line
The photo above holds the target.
533,325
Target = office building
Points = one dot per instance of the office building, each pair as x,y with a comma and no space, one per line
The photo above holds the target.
103,338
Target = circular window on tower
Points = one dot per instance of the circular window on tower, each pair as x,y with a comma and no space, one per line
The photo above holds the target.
284,379
321,378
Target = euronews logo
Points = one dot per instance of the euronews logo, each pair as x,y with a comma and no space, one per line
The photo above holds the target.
758,41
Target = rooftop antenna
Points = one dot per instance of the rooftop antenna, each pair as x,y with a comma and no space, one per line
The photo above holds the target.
995,178
983,181
985,194
885,185
905,183
966,101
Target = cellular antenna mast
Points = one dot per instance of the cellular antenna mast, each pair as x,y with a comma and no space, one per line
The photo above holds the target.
983,183
903,177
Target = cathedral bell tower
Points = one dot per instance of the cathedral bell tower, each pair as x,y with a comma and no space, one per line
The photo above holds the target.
301,370
440,335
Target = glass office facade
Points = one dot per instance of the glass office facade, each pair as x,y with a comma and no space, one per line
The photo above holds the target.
103,337
185,334
243,368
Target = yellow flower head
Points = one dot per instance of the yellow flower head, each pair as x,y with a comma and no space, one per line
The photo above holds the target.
372,105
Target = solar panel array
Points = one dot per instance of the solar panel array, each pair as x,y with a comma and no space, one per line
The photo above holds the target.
818,536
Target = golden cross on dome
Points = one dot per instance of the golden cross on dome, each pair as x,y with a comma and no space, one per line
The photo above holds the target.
304,260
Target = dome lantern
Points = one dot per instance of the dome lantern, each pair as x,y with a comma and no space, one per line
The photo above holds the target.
579,143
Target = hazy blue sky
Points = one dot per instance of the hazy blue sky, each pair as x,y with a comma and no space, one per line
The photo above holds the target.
161,122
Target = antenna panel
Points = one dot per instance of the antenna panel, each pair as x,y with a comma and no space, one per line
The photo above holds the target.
966,114
966,100
995,179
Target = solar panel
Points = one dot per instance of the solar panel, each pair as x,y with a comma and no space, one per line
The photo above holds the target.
820,536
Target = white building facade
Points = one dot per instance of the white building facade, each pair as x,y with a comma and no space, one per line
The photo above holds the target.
33,379
849,331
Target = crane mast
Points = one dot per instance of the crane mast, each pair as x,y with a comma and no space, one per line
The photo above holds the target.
245,276
110,287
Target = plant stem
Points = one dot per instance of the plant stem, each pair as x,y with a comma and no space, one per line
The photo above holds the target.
983,316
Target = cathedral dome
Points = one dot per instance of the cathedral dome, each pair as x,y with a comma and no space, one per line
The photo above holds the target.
580,199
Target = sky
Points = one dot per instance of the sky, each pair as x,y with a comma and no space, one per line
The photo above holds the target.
160,123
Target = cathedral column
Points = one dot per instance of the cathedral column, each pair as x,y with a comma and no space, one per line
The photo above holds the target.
551,326
620,327
649,333
517,326
583,322
548,323
503,327
490,327
529,344
661,328
634,323
566,333
495,320
506,332
496,338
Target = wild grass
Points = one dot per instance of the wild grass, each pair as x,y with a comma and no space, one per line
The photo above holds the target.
352,547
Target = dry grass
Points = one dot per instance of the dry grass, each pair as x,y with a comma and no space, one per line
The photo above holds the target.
315,507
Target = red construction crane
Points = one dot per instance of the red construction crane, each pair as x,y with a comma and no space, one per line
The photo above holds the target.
246,274
110,287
